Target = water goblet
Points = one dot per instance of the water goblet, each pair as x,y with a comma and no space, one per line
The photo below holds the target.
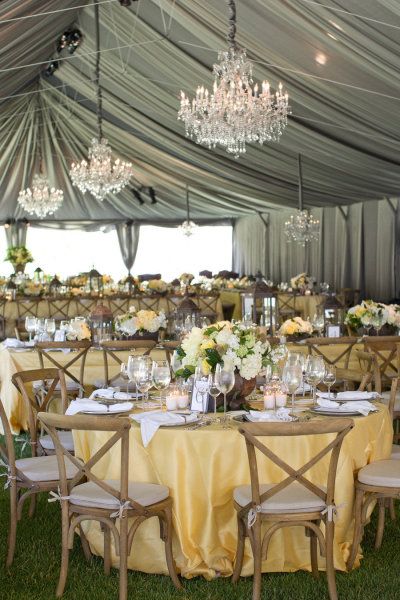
318,323
30,326
329,378
135,364
161,376
314,374
224,380
144,383
292,378
40,328
50,327
213,391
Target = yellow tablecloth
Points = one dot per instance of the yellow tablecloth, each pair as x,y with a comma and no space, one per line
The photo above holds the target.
307,305
201,469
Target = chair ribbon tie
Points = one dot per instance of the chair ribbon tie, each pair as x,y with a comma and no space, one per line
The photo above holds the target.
252,515
332,511
7,474
57,497
123,506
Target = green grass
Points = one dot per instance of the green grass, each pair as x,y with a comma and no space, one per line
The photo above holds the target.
35,571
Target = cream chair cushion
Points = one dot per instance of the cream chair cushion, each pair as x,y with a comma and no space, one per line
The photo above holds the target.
72,386
65,437
294,498
385,473
91,495
44,468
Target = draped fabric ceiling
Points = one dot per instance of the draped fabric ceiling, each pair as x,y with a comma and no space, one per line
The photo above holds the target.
343,113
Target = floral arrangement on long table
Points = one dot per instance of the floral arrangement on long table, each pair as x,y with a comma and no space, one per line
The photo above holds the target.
244,348
296,327
139,322
373,314
78,331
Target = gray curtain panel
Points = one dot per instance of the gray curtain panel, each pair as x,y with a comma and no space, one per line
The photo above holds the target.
16,234
128,238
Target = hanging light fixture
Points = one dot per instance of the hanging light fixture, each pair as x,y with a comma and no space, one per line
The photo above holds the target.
302,227
98,175
40,200
188,227
234,113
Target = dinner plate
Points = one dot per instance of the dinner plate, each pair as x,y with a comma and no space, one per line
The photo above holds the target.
109,412
335,412
186,422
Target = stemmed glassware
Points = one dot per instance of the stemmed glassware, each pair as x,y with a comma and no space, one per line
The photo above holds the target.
161,376
224,381
50,327
144,382
30,326
377,322
40,328
202,383
329,378
136,364
292,378
318,323
214,390
125,375
315,371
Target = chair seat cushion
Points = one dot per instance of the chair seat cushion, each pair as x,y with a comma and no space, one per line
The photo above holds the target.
71,386
90,494
44,468
121,383
294,498
385,473
386,398
395,452
65,437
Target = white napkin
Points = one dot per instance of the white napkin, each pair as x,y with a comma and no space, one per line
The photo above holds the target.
364,408
150,422
85,404
352,395
282,414
110,393
14,343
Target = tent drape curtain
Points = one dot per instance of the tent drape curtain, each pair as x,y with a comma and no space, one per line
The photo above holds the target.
128,238
16,234
358,248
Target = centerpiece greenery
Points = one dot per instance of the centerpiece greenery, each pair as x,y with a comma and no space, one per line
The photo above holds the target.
140,323
18,256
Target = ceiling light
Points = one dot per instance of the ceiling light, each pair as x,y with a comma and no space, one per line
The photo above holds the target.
321,58
331,36
334,24
301,227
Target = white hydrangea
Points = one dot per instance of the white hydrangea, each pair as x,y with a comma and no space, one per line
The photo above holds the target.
251,366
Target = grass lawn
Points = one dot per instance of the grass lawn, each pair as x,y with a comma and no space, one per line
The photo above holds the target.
36,567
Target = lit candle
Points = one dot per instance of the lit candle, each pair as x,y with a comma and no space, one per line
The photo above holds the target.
182,401
269,401
172,401
281,400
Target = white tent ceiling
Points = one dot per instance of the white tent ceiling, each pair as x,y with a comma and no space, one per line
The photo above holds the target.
344,113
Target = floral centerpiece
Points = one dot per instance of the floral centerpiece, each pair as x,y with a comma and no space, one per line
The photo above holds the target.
157,286
373,314
32,288
301,282
245,348
78,331
18,256
186,278
140,324
296,328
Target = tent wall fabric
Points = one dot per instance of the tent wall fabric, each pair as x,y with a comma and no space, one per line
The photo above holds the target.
128,238
357,248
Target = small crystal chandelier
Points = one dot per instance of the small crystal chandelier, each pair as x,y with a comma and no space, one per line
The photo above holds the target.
188,227
98,175
234,114
41,200
302,227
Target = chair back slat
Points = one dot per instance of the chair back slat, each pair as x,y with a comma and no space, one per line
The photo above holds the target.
385,349
254,431
44,350
112,348
334,351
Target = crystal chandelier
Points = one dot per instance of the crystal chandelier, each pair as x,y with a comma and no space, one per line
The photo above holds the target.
41,200
234,113
188,227
99,175
302,227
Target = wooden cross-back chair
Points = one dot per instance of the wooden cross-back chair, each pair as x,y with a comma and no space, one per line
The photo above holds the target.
111,357
25,308
84,306
25,478
385,350
348,297
50,388
118,305
295,501
60,309
334,351
208,305
149,303
77,357
107,501
173,301
287,306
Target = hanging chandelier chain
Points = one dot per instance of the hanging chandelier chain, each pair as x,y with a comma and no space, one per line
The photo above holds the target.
97,72
187,204
232,24
300,184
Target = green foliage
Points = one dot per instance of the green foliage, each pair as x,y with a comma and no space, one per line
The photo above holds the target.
185,372
213,358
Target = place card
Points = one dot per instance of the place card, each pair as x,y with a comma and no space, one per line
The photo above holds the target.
200,388
333,331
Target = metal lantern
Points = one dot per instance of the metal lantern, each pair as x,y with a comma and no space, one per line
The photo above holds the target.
333,316
101,323
55,286
260,302
38,275
129,285
11,289
95,282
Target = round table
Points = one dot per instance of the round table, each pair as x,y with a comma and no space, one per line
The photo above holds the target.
202,467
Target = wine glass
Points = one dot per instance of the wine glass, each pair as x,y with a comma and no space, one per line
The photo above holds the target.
202,385
377,322
124,375
40,328
292,378
144,382
30,326
214,391
224,380
329,378
314,374
318,323
135,364
161,375
50,327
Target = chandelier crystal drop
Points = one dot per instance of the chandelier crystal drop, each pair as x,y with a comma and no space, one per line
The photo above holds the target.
302,228
236,112
41,200
99,175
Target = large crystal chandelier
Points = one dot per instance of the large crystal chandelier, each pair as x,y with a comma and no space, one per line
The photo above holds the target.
41,200
234,113
302,227
99,175
188,227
